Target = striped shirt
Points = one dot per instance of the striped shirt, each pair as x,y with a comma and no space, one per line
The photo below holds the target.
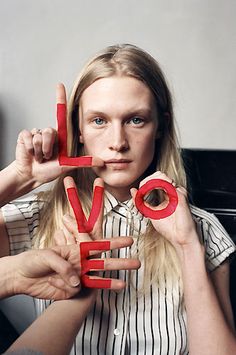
128,322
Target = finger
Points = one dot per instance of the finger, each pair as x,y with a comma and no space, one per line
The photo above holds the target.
163,197
97,232
48,141
182,191
62,290
156,175
59,238
37,146
119,242
61,94
167,190
114,264
83,161
95,248
117,285
70,224
25,138
73,225
62,267
69,237
133,192
69,182
103,283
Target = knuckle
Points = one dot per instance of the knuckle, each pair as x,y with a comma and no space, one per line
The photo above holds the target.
24,134
37,141
68,269
49,130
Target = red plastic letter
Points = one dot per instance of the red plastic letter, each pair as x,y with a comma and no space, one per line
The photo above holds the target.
62,142
84,225
88,265
157,184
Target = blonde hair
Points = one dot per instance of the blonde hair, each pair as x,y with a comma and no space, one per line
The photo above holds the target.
123,60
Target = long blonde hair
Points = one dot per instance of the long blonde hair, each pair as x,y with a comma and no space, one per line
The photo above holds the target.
123,60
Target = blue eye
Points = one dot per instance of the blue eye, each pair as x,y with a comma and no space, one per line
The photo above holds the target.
136,120
98,121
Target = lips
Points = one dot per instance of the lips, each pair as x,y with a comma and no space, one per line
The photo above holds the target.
117,164
117,161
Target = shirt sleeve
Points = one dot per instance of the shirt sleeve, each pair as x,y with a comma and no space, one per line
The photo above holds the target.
218,244
21,219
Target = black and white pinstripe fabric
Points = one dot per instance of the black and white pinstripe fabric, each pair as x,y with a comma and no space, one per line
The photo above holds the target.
129,322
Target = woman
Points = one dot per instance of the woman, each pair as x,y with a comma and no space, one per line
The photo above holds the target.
121,112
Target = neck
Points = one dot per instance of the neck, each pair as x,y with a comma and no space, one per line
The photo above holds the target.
122,194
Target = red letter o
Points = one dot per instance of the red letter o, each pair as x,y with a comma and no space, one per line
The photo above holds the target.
157,184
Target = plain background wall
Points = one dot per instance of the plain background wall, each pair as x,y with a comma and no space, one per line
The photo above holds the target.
45,42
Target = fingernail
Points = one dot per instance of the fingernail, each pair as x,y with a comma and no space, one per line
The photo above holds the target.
132,191
74,281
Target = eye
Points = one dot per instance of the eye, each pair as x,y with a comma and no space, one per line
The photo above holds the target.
99,121
136,121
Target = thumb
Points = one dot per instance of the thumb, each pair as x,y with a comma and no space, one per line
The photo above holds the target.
133,192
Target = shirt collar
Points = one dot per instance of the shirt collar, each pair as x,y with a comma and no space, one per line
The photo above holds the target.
110,202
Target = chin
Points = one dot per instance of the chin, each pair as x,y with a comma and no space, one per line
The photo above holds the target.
119,182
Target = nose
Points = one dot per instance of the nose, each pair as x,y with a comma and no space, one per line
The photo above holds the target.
118,139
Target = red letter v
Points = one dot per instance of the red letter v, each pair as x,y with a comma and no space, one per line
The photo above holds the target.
84,225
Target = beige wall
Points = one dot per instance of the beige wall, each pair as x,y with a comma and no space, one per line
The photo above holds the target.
43,42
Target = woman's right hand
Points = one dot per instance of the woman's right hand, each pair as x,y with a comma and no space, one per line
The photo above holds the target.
36,152
36,159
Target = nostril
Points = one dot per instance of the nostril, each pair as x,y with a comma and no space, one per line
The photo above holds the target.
119,146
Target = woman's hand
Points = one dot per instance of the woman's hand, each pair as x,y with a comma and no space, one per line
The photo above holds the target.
70,224
36,158
179,227
37,153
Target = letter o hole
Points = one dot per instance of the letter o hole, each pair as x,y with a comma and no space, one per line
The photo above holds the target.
147,211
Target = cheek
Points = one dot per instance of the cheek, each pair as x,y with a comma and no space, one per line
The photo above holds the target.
145,145
92,144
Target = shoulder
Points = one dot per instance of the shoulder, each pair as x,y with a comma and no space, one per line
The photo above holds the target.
21,219
218,244
26,207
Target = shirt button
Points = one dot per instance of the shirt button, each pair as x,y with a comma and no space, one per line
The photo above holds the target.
116,331
122,210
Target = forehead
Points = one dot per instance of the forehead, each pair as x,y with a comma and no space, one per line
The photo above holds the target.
117,91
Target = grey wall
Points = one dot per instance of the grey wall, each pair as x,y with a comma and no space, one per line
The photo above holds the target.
44,42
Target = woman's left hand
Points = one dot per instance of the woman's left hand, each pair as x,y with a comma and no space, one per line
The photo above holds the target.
179,228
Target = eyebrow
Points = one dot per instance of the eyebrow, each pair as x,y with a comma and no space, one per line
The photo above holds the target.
141,111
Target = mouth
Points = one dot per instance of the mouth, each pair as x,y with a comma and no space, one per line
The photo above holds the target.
117,161
118,164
